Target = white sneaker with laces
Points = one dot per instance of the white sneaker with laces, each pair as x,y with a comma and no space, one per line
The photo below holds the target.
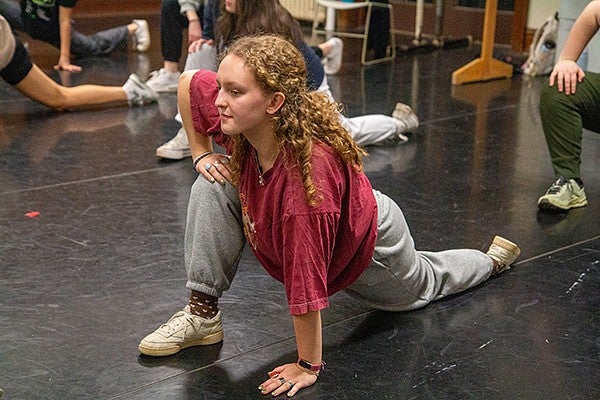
504,252
182,330
564,194
163,81
333,59
141,35
138,93
177,148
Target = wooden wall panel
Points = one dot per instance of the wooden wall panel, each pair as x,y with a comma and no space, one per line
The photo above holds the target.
117,7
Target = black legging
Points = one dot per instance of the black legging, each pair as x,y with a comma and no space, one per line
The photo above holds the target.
379,38
172,25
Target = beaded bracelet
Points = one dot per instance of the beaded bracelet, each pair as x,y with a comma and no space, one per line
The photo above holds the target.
200,157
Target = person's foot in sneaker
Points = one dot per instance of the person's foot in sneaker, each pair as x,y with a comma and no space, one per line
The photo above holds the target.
138,93
141,35
333,55
503,253
163,81
409,120
564,194
177,148
183,330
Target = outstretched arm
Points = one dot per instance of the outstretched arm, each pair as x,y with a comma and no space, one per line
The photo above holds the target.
64,61
566,73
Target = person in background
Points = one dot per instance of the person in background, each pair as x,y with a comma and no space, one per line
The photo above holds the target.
17,69
249,17
175,17
294,189
568,104
52,22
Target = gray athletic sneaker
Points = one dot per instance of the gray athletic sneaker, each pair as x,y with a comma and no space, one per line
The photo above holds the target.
183,329
177,148
138,93
163,81
564,194
504,252
141,35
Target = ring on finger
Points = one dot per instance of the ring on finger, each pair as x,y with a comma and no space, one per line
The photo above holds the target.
282,380
208,166
216,163
225,160
290,383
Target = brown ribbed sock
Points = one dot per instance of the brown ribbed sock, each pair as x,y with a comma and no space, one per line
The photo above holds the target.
203,305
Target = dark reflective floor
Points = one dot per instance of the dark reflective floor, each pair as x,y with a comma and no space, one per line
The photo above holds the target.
102,265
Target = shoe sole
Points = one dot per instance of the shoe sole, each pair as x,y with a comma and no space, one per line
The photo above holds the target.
172,154
208,340
547,205
507,244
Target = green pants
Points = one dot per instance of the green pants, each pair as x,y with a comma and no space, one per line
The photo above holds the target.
563,120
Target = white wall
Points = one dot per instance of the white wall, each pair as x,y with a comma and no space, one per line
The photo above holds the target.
539,10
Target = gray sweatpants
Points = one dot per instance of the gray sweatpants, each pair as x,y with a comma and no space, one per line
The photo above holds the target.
398,278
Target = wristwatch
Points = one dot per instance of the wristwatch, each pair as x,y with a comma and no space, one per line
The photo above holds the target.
315,368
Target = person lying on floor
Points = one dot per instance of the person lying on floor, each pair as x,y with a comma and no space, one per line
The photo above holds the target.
17,69
294,189
52,22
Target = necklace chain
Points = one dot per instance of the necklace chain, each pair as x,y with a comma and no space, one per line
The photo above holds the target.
261,179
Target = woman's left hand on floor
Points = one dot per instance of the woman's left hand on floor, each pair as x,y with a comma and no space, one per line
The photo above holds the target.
287,378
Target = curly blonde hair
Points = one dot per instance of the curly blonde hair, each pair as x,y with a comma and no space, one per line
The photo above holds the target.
306,116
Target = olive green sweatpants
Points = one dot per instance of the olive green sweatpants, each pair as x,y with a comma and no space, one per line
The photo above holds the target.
563,120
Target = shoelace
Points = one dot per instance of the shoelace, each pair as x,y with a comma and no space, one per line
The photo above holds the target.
174,323
557,186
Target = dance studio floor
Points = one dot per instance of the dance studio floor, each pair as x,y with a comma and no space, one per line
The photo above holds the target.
101,265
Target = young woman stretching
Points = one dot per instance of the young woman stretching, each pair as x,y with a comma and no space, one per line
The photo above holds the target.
306,208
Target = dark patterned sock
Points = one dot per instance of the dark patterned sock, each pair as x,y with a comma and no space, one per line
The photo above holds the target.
203,305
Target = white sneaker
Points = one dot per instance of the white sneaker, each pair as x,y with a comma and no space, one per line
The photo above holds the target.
141,35
182,330
138,93
333,60
504,252
177,148
407,116
163,80
564,194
